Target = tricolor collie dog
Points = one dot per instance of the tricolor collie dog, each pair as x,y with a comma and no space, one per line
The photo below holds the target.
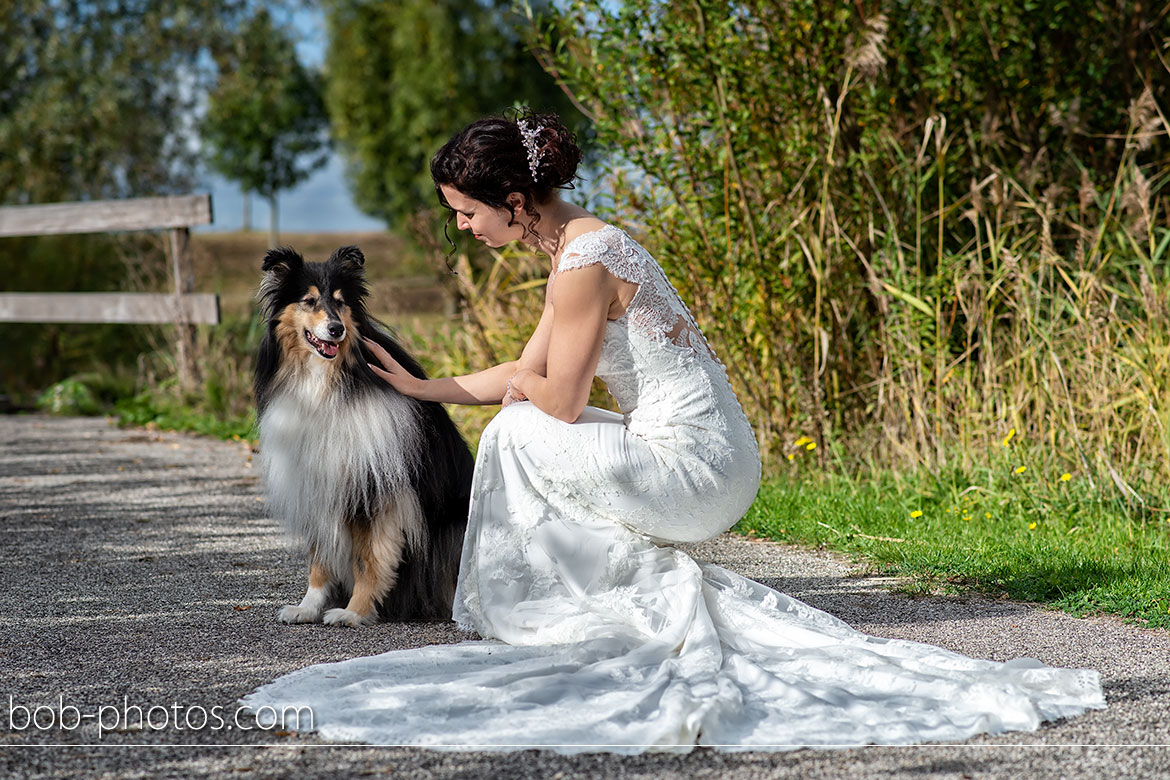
372,485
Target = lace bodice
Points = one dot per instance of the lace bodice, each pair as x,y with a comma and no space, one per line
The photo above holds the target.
654,359
656,309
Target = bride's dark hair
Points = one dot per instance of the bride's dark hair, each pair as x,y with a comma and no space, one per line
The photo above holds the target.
532,154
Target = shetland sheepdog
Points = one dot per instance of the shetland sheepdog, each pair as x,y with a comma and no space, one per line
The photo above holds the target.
371,484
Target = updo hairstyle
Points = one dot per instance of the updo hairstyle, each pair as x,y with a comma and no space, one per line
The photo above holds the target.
532,154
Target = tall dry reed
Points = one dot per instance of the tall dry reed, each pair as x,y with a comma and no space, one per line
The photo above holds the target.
904,293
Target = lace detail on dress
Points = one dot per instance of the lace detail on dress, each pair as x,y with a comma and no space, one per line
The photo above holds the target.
656,308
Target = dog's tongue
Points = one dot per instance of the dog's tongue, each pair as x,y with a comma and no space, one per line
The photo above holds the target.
329,349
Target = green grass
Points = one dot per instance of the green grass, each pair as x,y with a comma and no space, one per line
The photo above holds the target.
1024,536
163,407
153,409
219,404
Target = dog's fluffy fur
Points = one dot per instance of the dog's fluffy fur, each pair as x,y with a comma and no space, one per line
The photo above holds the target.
372,484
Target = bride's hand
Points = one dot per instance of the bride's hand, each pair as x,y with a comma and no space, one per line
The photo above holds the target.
511,393
391,371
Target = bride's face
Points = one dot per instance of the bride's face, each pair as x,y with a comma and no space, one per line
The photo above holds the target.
485,223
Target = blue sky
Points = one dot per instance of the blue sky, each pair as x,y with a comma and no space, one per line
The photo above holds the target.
320,204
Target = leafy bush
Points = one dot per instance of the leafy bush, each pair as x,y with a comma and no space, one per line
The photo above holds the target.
69,397
163,408
221,404
907,230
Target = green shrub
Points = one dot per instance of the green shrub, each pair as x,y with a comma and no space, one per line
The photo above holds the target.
906,229
69,397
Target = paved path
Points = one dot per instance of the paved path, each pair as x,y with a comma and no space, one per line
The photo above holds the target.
139,569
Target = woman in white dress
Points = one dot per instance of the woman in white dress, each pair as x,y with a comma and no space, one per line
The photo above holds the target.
598,634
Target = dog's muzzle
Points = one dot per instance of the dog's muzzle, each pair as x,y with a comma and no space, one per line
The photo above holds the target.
326,348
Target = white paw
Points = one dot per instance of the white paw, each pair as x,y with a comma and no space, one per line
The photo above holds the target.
345,617
295,613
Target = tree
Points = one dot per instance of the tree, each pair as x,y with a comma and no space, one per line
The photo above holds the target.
96,97
266,126
402,77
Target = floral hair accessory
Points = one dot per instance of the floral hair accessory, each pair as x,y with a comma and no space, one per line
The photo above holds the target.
528,134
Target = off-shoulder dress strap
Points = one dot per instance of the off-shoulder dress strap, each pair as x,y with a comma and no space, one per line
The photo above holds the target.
607,245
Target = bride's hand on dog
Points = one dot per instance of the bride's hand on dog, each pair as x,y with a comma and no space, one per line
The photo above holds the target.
391,371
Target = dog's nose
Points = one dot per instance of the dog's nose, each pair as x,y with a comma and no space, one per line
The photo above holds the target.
336,330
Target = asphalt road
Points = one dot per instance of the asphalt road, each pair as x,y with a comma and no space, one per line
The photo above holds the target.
141,577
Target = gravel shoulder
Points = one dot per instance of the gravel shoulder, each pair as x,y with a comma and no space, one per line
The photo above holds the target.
141,570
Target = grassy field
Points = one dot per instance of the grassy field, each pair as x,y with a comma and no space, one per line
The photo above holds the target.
1022,534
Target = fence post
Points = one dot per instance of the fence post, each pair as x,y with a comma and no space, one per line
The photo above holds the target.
184,282
182,307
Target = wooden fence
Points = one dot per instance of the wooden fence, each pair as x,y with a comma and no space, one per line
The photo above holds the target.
182,306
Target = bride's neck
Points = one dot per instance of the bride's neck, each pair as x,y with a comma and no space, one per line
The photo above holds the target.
549,235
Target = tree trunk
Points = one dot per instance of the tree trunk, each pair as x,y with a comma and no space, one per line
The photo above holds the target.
273,234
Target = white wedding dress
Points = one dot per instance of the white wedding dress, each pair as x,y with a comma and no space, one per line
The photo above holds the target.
600,635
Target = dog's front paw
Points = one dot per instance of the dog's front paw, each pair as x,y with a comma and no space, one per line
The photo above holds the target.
295,613
346,617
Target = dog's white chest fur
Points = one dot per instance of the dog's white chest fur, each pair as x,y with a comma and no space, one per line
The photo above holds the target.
322,452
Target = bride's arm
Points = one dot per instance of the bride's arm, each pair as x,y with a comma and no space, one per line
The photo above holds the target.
482,387
581,302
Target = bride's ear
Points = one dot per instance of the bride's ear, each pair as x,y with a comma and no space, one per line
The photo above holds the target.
515,202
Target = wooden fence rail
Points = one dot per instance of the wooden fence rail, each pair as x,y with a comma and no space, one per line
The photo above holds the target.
106,216
176,214
143,308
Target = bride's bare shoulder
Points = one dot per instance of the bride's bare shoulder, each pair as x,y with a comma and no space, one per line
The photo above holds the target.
582,225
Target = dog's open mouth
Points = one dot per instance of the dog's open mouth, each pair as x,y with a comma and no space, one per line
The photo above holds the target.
326,349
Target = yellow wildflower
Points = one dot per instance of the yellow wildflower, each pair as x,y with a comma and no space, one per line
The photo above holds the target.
1021,469
1031,526
812,445
803,440
1007,439
791,456
916,513
987,515
1065,477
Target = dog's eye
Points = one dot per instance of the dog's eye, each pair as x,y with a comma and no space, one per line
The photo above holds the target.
310,301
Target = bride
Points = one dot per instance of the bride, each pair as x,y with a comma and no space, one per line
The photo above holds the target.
598,634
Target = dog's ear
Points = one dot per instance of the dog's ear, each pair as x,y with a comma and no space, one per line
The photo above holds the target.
349,258
282,260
